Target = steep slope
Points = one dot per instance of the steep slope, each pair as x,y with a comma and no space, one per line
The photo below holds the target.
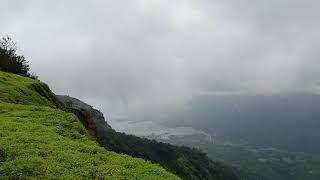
40,141
185,162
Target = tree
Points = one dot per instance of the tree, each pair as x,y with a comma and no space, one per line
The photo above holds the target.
10,61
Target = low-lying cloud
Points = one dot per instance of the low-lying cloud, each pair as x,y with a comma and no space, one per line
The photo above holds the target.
136,53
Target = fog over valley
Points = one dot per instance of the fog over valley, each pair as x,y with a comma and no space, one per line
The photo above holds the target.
232,78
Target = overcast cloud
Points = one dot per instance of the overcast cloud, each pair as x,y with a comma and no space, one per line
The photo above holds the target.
135,53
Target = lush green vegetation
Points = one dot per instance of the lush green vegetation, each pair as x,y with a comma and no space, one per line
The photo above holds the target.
19,90
186,162
39,141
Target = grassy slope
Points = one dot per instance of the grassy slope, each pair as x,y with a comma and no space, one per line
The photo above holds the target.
39,141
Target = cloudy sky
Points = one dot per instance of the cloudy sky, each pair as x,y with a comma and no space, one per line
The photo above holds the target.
135,53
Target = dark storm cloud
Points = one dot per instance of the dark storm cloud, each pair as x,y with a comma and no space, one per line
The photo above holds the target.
132,53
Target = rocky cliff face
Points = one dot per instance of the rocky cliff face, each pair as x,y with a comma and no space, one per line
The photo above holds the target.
91,118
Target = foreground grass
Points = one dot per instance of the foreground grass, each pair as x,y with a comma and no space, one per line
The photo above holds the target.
38,141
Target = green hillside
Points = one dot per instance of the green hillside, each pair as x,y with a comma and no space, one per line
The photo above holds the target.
39,141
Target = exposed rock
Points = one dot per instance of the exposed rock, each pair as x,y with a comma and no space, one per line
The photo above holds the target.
91,118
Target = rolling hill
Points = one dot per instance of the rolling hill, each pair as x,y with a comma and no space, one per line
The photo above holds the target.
40,141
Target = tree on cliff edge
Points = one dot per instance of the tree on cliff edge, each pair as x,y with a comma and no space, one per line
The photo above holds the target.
10,61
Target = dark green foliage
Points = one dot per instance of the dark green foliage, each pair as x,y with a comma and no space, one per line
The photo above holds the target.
2,155
10,61
185,162
45,91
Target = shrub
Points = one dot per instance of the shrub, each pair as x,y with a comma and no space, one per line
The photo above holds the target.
2,155
10,61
